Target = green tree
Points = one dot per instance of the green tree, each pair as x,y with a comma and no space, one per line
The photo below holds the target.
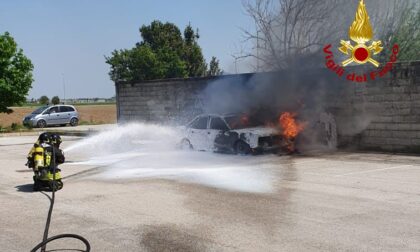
158,35
55,100
164,52
15,74
193,56
407,35
214,68
139,63
44,100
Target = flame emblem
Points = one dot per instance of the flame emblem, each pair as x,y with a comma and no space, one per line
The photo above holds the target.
361,32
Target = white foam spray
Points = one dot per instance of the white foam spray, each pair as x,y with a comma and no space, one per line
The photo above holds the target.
128,137
145,151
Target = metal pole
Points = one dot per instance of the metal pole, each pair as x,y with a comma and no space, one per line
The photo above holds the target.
64,89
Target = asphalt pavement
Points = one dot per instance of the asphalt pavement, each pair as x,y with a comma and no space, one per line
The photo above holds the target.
320,202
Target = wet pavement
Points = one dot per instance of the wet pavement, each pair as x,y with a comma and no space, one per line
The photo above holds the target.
320,202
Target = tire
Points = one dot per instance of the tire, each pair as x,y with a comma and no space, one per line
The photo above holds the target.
41,124
74,122
186,145
242,148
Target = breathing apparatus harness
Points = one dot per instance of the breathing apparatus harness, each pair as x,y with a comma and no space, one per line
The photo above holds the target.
42,245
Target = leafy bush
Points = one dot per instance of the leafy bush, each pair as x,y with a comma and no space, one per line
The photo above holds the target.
14,126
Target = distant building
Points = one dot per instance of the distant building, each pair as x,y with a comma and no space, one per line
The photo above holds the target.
77,100
89,100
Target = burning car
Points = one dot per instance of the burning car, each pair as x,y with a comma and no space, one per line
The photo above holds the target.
233,133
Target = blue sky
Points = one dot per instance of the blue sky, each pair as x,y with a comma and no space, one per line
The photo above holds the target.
69,38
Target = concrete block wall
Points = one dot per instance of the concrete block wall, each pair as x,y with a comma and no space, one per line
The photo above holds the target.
157,101
391,108
382,115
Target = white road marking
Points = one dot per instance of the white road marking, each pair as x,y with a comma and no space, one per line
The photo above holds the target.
375,170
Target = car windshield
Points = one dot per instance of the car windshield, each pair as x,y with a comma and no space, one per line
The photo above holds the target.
39,110
240,122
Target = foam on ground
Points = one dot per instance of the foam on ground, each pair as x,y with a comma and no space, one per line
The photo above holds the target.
142,151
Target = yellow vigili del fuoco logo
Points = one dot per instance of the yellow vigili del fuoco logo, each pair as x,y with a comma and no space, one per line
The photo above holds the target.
360,52
361,32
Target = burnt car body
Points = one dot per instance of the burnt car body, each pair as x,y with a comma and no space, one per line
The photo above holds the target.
231,133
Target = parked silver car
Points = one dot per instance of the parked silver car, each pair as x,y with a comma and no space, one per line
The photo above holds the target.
52,115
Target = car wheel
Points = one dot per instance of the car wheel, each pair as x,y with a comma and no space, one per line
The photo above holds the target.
74,122
242,148
186,145
41,124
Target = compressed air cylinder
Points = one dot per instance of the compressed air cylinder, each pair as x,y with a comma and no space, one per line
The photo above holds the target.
39,158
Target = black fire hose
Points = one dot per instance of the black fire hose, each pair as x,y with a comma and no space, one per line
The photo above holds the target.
47,240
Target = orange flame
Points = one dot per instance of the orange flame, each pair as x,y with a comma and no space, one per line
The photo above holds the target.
290,127
245,119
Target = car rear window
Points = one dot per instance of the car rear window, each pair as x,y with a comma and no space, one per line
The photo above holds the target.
66,109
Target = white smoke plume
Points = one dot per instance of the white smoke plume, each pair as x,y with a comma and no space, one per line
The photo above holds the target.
145,151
